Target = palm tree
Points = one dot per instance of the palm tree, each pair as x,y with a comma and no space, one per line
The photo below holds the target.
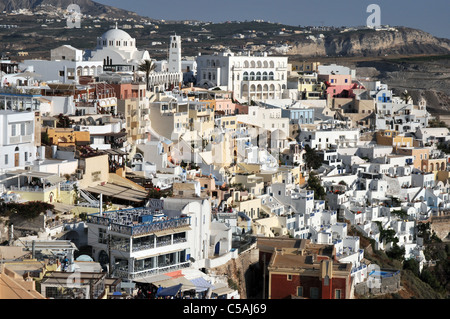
406,96
148,67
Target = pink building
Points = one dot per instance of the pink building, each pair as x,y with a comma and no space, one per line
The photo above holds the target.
338,85
226,106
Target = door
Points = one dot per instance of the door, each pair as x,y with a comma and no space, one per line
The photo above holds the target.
217,248
16,159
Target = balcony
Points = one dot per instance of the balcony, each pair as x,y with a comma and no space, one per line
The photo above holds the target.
140,229
32,189
162,269
20,139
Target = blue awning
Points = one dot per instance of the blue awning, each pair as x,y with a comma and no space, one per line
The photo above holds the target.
201,284
169,291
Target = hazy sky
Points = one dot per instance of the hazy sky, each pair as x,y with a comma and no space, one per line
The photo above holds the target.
432,16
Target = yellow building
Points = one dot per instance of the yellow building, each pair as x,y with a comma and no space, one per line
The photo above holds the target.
15,286
419,154
95,170
305,66
254,184
34,186
201,119
434,165
308,85
248,204
229,122
394,139
67,137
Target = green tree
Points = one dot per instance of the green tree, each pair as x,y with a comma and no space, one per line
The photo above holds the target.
412,265
315,185
312,159
396,252
428,277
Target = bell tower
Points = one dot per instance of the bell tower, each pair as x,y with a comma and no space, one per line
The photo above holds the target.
175,54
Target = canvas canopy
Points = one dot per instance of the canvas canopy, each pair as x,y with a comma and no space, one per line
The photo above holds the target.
169,291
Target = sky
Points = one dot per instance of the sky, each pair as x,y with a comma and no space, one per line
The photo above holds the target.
431,16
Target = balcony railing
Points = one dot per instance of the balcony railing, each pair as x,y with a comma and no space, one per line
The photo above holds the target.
134,230
124,273
33,189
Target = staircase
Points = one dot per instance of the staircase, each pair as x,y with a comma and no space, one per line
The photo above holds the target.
90,200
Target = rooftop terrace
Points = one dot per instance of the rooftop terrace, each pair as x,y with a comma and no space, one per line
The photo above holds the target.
139,221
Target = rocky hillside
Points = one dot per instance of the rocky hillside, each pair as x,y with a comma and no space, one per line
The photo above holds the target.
86,6
402,41
427,77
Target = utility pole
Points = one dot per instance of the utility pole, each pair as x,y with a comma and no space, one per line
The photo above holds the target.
264,277
109,256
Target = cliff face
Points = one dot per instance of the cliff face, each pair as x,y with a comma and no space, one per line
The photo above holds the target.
373,43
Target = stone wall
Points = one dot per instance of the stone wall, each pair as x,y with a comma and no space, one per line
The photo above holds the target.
389,284
441,226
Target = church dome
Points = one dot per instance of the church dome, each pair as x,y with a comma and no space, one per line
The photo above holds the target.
116,34
116,39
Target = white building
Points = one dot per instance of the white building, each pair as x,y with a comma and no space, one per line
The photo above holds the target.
249,77
330,138
66,66
163,237
117,47
269,119
17,147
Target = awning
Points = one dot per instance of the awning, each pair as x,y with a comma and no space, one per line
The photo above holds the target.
169,291
222,291
201,284
46,176
162,233
117,191
172,231
54,179
152,279
186,284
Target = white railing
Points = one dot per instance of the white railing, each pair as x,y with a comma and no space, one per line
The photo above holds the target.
123,273
34,189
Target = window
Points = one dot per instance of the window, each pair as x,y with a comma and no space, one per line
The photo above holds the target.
314,293
337,294
289,278
6,159
102,237
13,130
